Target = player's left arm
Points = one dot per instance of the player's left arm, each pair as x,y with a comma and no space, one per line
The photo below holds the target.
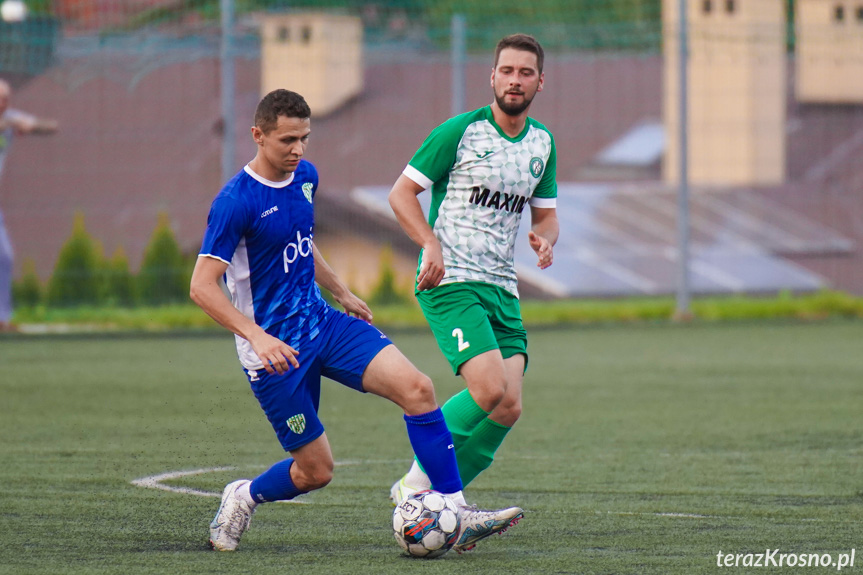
544,226
327,278
543,234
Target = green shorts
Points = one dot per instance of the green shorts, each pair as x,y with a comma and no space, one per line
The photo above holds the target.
470,318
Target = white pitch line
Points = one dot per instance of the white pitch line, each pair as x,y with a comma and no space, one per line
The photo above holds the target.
697,516
666,514
155,481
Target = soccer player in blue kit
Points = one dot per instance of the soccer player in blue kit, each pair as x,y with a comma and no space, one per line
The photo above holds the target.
260,239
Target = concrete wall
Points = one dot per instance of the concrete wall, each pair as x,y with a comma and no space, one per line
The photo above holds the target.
318,55
829,45
736,92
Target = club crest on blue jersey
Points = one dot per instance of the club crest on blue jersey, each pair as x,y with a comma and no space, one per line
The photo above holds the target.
307,191
297,423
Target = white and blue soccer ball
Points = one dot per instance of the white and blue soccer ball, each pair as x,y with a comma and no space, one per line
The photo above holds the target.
426,524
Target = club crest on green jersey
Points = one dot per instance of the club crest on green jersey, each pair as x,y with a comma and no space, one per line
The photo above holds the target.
536,167
307,191
297,423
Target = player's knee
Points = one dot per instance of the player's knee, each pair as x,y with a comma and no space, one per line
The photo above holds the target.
310,473
495,396
508,412
419,393
487,384
321,479
315,478
415,394
488,394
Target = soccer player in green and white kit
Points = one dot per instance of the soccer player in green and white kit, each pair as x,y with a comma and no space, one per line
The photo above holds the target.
483,167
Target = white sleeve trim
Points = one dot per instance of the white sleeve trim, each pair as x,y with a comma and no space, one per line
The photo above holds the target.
417,176
214,257
543,202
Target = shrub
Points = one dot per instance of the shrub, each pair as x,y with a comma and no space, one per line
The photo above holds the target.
119,284
162,279
75,279
27,291
386,292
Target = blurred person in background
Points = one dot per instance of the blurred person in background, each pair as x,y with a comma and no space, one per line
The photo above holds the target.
483,168
12,123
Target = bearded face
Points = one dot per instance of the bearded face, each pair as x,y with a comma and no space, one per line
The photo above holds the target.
515,80
512,102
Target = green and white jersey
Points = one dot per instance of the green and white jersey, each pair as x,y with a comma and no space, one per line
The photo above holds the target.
481,180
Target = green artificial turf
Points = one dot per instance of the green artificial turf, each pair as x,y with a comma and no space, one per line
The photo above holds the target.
641,449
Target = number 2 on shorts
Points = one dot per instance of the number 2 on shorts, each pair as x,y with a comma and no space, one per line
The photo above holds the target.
462,344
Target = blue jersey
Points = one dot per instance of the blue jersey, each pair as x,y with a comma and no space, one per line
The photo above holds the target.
264,231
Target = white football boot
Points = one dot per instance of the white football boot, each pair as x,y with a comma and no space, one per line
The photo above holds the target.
231,520
401,491
477,524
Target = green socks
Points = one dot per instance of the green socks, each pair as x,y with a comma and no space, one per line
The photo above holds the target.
476,437
477,453
462,415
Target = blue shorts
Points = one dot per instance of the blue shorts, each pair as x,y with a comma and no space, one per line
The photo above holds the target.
342,350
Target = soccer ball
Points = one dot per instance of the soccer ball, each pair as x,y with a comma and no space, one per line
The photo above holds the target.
426,524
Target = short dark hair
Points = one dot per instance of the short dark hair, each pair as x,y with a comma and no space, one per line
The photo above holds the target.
523,42
280,103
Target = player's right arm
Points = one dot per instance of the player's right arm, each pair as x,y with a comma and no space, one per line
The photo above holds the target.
429,164
24,123
206,291
409,213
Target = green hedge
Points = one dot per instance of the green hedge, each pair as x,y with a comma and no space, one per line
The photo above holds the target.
387,292
163,277
784,306
87,291
119,283
27,291
76,278
82,276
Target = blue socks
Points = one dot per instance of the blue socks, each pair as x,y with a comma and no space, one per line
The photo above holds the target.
432,443
275,483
